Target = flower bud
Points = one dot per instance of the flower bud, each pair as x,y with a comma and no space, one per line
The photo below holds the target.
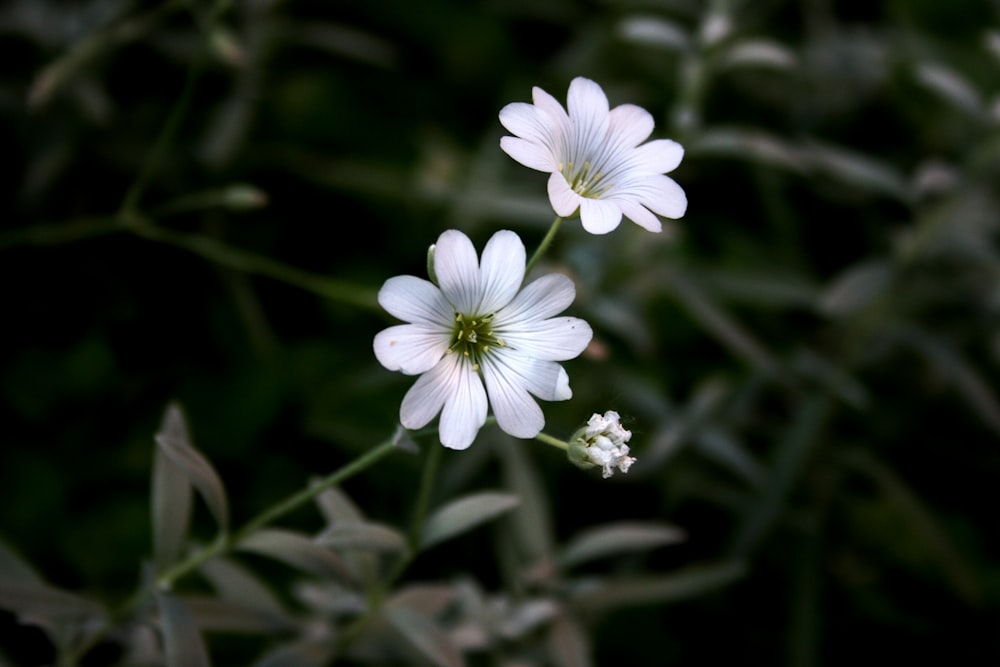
601,443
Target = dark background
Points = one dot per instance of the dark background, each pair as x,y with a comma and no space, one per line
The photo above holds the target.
808,359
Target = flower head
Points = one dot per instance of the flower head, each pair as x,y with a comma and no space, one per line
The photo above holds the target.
602,443
595,159
478,340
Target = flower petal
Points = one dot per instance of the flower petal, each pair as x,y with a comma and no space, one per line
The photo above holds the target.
532,155
661,195
516,411
527,121
555,339
659,156
640,215
411,348
588,107
465,409
428,394
599,216
457,268
551,107
564,200
413,299
628,126
542,298
501,271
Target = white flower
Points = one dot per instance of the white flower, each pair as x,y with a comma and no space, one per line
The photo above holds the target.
477,327
595,159
602,443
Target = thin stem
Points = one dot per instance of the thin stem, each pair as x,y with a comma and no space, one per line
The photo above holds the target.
224,543
63,233
248,262
431,466
544,245
130,203
555,442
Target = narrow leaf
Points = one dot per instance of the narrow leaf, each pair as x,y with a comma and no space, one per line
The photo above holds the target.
182,642
691,582
363,536
34,600
532,526
14,568
174,441
425,636
617,538
305,653
429,599
297,550
172,497
758,53
568,643
236,584
465,513
218,615
855,287
337,507
792,452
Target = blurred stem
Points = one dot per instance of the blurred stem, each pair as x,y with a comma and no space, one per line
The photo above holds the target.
377,596
544,245
225,543
130,202
347,293
63,233
431,466
555,442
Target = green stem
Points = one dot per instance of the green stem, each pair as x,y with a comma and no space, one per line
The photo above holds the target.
130,203
63,233
544,245
431,465
555,442
347,293
224,543
424,494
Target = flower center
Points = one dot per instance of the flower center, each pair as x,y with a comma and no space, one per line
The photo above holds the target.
473,337
584,179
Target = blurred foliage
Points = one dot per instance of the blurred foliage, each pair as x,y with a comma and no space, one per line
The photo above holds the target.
204,197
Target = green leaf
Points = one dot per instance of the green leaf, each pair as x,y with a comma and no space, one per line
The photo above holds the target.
182,642
337,506
568,643
213,614
14,568
297,550
174,441
40,602
532,526
655,31
618,537
460,515
793,450
236,584
362,536
304,653
425,636
172,497
759,53
690,582
430,599
856,287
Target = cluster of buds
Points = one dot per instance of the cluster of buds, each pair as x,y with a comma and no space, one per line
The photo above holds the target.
601,443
